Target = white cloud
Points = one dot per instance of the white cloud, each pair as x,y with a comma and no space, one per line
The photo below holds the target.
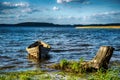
68,17
103,17
112,13
16,8
26,10
55,8
59,1
78,1
85,18
62,1
20,4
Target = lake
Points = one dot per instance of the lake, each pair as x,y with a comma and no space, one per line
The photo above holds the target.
66,42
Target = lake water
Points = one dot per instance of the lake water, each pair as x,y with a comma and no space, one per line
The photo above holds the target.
66,42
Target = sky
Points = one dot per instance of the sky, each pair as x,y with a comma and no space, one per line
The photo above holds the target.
60,11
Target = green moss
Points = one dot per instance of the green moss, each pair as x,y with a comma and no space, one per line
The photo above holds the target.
81,59
111,74
75,67
71,66
74,72
63,63
79,68
23,75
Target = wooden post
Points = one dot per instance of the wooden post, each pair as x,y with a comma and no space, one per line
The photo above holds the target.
102,58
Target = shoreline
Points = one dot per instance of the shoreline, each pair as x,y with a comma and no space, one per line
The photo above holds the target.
97,27
61,75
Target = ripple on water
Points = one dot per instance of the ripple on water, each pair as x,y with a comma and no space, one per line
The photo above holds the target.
7,67
4,57
68,43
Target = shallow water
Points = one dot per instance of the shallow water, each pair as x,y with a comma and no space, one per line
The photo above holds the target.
68,43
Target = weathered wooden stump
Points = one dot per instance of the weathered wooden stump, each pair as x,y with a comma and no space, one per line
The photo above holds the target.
102,58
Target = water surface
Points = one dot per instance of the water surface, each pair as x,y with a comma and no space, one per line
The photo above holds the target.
68,43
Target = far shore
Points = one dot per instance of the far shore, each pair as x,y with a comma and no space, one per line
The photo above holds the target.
93,27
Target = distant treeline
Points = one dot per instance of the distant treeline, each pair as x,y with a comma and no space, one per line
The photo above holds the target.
42,24
34,24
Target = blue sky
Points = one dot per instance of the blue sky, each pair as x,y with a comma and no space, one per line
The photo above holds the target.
60,11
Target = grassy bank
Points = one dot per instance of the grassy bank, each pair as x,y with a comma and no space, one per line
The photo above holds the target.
40,75
23,75
74,73
92,74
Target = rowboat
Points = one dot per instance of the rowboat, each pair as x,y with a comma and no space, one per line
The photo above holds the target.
38,50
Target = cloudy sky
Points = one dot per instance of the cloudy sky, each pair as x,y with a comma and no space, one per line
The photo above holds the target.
60,11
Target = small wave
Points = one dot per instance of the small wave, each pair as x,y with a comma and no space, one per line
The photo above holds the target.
21,51
85,45
67,50
20,55
5,57
58,50
17,62
12,60
6,67
117,49
1,51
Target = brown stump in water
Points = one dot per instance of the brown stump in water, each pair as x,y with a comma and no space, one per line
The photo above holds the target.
101,60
